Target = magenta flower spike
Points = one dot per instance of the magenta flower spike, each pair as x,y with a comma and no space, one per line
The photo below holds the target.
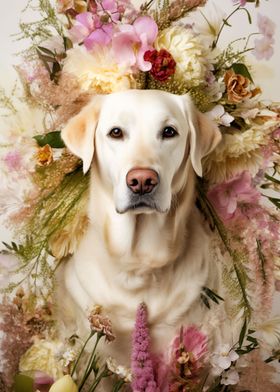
141,363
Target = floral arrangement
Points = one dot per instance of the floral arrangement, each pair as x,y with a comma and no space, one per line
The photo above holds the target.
85,47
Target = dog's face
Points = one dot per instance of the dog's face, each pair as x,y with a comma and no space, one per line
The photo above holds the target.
141,139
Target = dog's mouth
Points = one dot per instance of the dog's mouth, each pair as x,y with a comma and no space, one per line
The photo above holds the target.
141,206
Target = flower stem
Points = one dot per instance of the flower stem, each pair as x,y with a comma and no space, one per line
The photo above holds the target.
225,22
90,362
81,352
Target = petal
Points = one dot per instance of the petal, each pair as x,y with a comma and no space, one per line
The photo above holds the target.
141,63
99,36
78,33
122,45
147,26
86,19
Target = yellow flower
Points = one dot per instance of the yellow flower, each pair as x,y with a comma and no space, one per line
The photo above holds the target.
98,72
44,155
187,51
43,356
64,384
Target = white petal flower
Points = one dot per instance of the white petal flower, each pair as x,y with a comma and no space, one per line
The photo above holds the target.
269,332
230,377
219,115
222,358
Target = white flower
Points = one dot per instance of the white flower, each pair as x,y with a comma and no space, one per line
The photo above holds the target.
230,377
222,358
219,115
189,53
98,72
68,357
120,370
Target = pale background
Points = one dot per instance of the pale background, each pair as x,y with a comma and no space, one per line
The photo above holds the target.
266,73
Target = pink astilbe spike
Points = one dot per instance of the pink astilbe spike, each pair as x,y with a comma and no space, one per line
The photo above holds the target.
141,362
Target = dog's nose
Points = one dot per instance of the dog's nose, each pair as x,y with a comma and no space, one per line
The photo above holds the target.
142,180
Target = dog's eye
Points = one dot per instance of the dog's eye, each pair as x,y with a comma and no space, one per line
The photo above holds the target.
169,132
116,133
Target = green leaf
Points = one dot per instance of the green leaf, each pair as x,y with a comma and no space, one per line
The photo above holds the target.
205,301
275,201
242,333
47,51
273,179
241,69
53,139
23,383
67,43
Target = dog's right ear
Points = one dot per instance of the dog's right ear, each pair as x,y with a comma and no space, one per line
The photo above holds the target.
78,134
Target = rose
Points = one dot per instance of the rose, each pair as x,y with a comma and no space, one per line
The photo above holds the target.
163,64
237,87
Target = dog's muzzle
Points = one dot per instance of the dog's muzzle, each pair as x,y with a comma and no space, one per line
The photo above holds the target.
142,184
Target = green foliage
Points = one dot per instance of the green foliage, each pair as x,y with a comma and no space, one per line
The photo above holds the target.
43,29
53,139
208,294
51,213
241,69
236,274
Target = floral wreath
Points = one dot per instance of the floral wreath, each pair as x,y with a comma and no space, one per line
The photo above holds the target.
85,47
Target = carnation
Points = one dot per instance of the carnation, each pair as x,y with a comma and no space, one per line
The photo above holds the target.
98,72
188,52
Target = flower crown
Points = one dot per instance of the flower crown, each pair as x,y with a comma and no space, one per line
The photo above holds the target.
86,47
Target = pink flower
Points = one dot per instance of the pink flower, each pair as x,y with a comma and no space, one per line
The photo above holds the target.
241,3
227,197
263,48
187,354
13,160
266,26
42,381
131,43
95,28
141,362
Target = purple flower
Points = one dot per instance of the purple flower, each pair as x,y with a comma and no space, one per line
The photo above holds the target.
141,362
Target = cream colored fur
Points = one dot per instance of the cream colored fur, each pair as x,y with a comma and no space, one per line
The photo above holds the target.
159,256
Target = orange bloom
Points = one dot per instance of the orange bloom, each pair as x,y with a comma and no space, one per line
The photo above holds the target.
44,155
237,87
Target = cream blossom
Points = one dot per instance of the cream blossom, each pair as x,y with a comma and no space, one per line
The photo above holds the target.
238,151
188,52
98,72
269,332
122,371
43,355
230,377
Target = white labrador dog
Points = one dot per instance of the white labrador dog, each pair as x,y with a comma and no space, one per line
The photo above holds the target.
146,240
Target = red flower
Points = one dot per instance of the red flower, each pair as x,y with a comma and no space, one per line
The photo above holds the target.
163,64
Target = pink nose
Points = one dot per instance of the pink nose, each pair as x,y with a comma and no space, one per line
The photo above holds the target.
142,180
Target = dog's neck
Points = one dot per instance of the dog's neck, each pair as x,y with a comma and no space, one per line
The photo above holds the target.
141,243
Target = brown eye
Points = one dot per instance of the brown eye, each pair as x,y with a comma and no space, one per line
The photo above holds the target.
116,133
169,132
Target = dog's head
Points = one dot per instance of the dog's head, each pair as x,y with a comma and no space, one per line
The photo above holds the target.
139,140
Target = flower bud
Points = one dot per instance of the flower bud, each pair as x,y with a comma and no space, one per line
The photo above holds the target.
64,384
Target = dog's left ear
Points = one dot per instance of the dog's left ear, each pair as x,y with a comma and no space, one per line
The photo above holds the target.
78,134
204,134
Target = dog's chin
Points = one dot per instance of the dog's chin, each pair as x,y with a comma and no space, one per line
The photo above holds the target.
141,207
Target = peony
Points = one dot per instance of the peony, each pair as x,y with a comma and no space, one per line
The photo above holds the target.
238,152
43,355
187,51
98,72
